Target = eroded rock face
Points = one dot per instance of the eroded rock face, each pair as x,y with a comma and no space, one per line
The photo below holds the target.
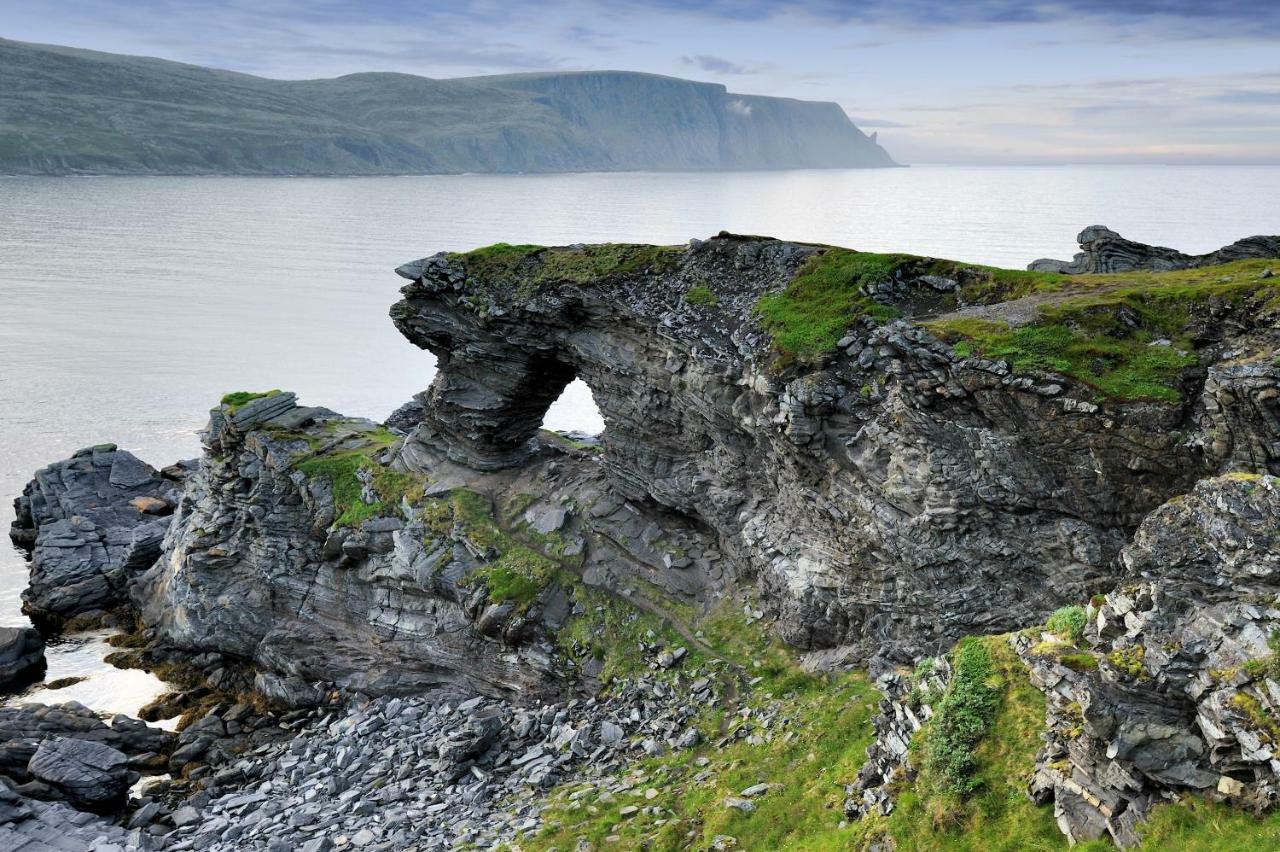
1183,688
259,566
887,501
1103,250
91,523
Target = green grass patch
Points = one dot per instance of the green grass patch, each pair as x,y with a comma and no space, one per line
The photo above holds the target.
701,296
1198,825
1068,623
342,468
515,571
521,270
1103,330
808,318
237,399
974,798
962,718
615,634
1123,367
808,762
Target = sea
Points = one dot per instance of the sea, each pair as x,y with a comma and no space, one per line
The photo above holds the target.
128,306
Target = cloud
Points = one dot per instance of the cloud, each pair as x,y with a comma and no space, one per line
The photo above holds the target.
717,65
1209,18
740,107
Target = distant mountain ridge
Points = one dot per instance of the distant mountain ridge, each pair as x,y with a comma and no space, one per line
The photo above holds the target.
70,111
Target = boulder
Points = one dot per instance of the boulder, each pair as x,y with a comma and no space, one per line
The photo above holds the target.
89,523
21,654
89,774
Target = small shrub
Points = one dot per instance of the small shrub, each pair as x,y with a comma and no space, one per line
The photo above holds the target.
702,296
962,718
1068,622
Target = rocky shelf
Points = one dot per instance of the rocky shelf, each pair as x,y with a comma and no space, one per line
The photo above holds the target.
1035,507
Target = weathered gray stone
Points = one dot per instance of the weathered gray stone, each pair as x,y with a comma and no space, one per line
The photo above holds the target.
21,654
1103,250
89,773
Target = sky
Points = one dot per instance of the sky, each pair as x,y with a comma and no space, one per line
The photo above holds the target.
941,81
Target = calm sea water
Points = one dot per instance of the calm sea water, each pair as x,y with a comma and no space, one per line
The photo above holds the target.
129,306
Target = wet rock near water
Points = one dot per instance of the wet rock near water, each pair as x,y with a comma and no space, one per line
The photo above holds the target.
91,523
21,655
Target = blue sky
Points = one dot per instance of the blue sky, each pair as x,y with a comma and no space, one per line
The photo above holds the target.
966,81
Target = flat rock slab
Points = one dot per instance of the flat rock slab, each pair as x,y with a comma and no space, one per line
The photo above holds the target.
89,773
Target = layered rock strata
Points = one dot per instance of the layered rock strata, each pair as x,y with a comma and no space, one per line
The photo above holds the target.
888,499
267,563
1103,250
1183,691
91,523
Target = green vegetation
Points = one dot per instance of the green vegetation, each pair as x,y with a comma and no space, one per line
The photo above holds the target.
514,571
990,694
234,401
521,270
1130,336
349,465
962,719
807,763
1198,825
1130,661
824,300
1080,662
818,306
1068,623
1128,367
702,296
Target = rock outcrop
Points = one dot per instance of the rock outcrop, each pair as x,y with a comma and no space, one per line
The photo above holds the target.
91,523
924,474
1175,687
269,561
887,500
21,654
1103,250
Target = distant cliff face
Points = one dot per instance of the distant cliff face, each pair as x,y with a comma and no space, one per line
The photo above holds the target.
67,111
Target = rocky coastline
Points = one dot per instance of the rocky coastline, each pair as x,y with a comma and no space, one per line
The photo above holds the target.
819,466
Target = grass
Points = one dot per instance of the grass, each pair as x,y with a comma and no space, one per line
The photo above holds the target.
514,572
1104,329
522,270
342,468
702,296
825,299
616,635
993,811
1068,623
819,305
1198,825
1122,367
962,719
808,762
237,399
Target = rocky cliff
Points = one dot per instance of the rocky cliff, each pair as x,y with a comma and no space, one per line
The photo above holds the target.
69,111
873,456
